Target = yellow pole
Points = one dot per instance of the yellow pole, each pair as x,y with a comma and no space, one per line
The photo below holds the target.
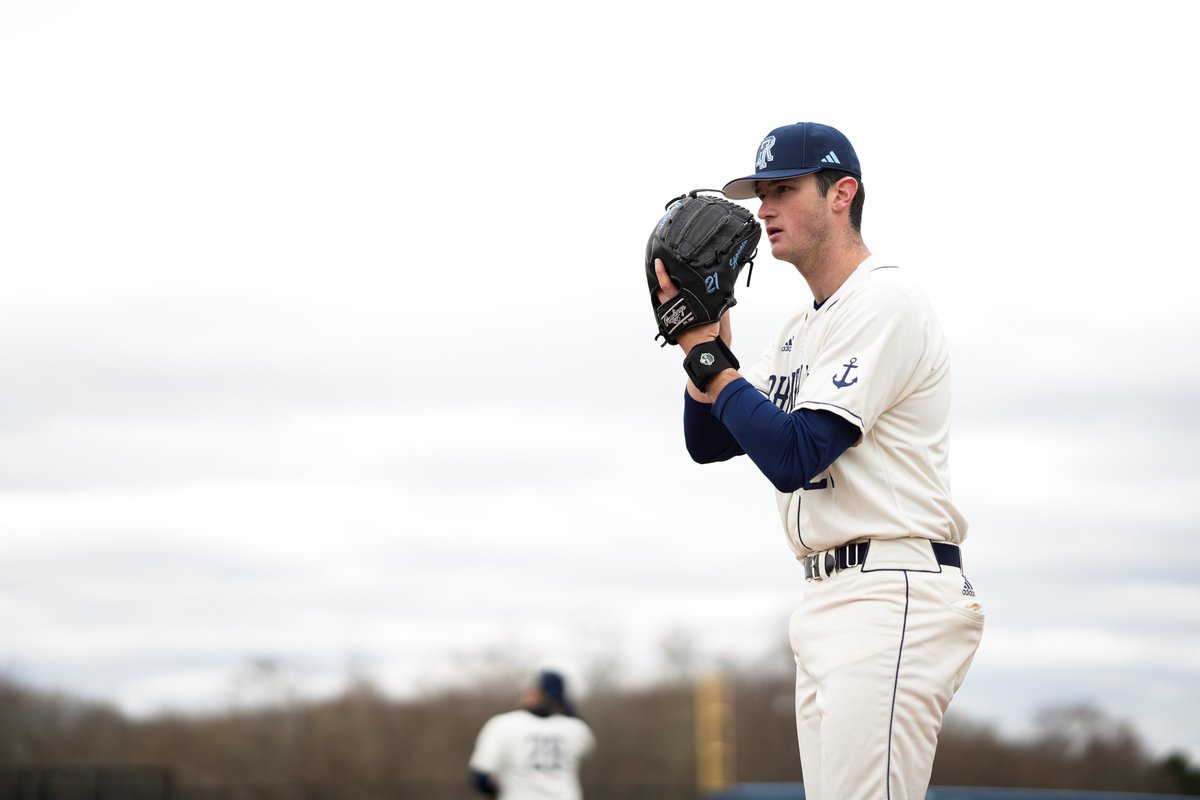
714,733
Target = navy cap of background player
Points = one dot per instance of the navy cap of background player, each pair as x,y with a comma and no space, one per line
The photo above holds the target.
800,149
553,686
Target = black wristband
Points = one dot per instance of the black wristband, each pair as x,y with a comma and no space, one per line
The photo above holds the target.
706,360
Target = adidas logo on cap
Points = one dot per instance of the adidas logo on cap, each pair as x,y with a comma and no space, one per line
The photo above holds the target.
831,158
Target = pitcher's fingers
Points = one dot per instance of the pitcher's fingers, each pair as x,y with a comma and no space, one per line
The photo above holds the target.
666,288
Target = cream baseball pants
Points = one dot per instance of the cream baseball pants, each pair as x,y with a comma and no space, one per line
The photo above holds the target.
880,650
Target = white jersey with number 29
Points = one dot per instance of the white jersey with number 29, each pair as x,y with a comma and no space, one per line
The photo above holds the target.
531,757
874,354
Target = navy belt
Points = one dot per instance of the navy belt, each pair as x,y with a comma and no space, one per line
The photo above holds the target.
823,565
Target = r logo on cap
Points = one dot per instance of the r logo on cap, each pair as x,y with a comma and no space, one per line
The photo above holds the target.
764,153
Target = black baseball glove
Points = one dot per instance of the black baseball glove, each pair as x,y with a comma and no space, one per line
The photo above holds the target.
704,242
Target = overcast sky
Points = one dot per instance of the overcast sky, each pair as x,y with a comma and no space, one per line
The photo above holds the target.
325,336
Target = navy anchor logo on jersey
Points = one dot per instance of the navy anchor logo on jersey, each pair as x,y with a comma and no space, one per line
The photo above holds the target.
841,382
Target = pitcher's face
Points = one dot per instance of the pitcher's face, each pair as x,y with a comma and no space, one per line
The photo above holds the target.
797,218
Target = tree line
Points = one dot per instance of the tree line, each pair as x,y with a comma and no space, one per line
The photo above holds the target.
363,744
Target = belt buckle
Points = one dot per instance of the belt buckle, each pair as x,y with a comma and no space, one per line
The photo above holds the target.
819,566
811,573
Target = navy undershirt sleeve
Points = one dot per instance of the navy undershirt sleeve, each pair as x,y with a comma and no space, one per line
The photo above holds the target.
482,783
789,448
707,438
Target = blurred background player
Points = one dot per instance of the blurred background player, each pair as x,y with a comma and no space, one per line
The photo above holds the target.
533,752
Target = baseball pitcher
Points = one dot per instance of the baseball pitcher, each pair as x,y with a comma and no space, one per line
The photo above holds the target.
847,414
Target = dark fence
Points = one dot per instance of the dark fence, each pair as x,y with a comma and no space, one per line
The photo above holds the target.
86,783
795,791
159,783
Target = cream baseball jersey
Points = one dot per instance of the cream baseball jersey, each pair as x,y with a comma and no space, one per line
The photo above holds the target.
874,354
533,757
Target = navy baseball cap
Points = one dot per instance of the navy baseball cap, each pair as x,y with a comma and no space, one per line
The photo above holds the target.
800,149
554,686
